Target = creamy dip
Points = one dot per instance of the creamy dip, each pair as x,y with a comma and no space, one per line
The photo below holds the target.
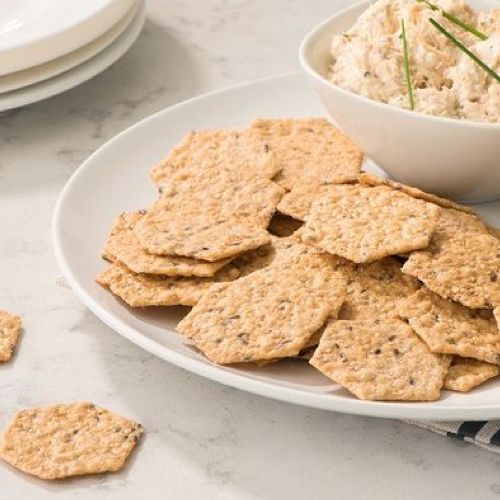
368,59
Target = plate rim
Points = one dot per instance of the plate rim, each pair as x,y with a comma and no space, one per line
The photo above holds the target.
30,51
380,409
81,73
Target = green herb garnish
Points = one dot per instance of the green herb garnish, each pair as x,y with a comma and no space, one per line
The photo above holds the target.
406,66
456,20
465,50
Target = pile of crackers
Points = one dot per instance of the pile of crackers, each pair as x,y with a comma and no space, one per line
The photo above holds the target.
285,249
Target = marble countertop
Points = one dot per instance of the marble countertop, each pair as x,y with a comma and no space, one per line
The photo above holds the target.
203,440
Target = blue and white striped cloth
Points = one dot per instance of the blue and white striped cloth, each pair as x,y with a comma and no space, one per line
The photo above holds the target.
483,433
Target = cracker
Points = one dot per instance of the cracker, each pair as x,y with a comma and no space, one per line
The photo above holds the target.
279,248
123,246
372,180
464,268
268,314
369,223
380,360
494,231
297,203
244,151
464,374
450,328
282,225
210,218
68,440
375,290
10,329
496,313
310,149
142,290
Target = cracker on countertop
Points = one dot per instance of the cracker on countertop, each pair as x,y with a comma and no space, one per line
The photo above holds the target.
66,440
310,149
464,268
380,360
465,373
372,180
143,290
297,203
210,219
375,290
122,245
243,151
368,223
451,328
268,314
10,330
282,225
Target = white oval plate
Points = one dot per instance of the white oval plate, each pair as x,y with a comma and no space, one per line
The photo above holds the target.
115,178
34,32
79,74
41,72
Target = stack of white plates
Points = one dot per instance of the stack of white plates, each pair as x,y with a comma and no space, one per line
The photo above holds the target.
49,46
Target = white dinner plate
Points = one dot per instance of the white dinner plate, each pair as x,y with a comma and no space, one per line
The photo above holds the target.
79,74
35,74
35,31
115,179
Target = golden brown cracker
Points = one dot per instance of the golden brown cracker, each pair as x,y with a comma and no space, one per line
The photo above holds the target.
10,330
465,373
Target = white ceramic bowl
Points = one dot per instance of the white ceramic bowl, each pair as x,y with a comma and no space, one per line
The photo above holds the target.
455,158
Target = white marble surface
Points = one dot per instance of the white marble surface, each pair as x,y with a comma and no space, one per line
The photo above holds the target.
203,440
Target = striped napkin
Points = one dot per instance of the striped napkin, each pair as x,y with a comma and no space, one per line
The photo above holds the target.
483,433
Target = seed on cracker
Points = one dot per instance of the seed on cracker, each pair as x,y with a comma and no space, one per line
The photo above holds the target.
123,246
375,290
310,150
268,314
68,440
465,373
282,225
10,329
380,360
451,328
297,203
372,180
211,219
368,223
245,152
464,268
142,290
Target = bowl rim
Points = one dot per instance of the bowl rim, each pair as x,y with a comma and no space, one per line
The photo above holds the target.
305,49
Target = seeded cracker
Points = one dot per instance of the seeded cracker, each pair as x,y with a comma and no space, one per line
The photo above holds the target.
123,246
279,248
268,314
463,268
68,440
244,151
10,328
369,223
450,328
464,374
282,225
375,290
209,218
141,290
297,203
380,360
372,180
311,149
